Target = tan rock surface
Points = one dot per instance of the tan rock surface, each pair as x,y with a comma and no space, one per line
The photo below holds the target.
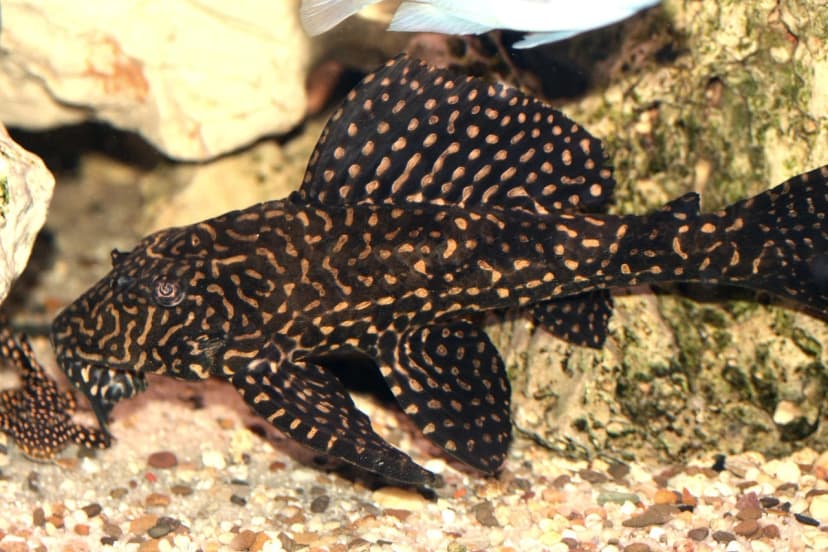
196,79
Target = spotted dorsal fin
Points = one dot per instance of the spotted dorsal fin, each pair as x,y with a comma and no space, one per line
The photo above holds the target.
411,133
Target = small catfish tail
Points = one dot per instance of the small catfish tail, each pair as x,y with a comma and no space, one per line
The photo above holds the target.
776,241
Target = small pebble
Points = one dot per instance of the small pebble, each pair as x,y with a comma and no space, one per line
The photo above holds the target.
637,547
561,481
687,498
749,513
746,528
787,470
33,482
769,502
665,496
485,515
213,459
819,507
698,533
82,529
394,497
723,537
657,514
112,530
157,499
401,515
142,524
592,476
770,532
806,520
618,470
617,497
181,490
92,510
243,540
320,504
238,500
163,527
38,517
162,460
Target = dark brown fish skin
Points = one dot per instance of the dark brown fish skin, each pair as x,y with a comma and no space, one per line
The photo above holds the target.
37,415
389,250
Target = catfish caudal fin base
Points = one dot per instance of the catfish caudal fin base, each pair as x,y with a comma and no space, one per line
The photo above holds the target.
430,198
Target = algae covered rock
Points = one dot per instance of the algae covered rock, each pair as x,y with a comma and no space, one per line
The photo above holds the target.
726,99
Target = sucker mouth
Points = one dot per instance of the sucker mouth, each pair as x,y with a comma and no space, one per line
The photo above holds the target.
103,385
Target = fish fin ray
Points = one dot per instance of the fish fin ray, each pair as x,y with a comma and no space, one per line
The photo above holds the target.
410,133
579,319
312,407
417,17
451,381
319,16
532,40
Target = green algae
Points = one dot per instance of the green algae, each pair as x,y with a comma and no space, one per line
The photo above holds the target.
741,104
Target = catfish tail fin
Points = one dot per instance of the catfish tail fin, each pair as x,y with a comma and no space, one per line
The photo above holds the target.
776,241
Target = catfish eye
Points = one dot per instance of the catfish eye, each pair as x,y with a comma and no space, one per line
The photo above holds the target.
167,293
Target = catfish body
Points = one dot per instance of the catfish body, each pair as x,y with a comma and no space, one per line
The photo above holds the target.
429,199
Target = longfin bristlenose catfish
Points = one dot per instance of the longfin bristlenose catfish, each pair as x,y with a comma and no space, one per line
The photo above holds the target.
429,199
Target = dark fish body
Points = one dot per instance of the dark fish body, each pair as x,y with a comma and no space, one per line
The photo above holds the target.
428,200
38,415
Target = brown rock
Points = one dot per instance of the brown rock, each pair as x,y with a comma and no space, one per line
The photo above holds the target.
723,537
618,470
38,517
181,490
401,515
243,540
560,481
92,510
485,515
259,542
637,547
698,534
687,498
751,512
746,528
112,530
658,514
148,546
592,476
770,531
142,524
157,499
665,496
82,529
162,460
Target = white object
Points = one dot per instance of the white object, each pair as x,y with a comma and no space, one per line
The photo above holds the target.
545,20
196,78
